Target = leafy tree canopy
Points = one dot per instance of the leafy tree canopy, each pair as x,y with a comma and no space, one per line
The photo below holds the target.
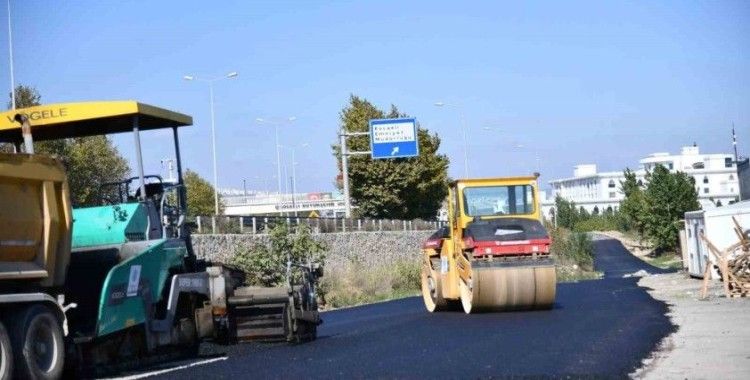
668,197
566,212
401,188
200,195
633,206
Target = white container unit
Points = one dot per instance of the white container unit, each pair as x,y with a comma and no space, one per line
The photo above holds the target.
695,251
718,226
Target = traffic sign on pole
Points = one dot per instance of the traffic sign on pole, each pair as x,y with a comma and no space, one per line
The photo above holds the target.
393,138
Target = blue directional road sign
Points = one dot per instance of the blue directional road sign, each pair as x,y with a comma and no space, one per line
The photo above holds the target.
393,138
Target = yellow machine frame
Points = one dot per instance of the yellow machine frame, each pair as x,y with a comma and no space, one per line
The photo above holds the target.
458,221
512,281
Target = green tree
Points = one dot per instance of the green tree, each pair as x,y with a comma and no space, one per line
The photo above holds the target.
89,161
26,96
633,206
401,188
566,212
668,197
200,195
583,214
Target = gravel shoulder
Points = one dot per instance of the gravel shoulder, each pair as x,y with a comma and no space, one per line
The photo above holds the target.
712,339
712,336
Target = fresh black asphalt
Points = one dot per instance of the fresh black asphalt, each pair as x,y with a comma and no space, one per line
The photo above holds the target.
598,328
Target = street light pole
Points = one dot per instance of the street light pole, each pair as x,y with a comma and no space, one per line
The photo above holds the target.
463,133
278,145
213,150
210,82
278,157
466,146
294,183
10,56
294,174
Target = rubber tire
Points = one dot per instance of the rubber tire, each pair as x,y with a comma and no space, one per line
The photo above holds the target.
40,318
6,354
433,302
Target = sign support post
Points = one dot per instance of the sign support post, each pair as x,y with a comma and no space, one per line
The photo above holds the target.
345,153
389,138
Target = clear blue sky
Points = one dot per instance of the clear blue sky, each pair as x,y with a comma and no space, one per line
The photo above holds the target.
600,82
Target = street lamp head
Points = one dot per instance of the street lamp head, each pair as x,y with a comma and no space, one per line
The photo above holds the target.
292,118
439,104
233,74
188,77
259,119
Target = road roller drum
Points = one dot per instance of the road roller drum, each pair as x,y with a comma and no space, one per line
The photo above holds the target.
509,288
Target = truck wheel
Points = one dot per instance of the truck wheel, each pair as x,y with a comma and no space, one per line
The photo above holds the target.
37,340
6,354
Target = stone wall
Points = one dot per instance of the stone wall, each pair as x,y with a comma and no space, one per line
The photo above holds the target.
369,248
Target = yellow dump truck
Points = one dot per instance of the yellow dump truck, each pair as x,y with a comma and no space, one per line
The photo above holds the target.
494,254
35,237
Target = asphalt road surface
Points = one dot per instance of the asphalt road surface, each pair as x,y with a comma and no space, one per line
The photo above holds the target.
596,328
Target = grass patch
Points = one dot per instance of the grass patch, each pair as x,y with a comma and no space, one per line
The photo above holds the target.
665,261
574,255
357,284
575,274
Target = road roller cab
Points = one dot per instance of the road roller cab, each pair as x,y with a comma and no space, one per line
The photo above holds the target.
494,254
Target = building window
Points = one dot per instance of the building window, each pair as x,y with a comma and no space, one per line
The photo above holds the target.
671,166
612,194
705,179
705,190
728,162
596,210
611,184
718,203
731,177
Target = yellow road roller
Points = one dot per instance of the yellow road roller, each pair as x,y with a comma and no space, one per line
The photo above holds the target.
494,253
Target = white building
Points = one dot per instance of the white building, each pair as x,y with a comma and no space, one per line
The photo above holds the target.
715,181
240,203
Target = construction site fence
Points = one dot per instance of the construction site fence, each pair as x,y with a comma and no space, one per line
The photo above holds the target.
262,224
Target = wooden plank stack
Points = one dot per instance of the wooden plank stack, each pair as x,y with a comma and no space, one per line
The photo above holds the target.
733,264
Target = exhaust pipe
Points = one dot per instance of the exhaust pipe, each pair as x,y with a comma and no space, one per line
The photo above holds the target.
28,141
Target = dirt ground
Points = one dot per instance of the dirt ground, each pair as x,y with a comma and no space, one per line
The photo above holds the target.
713,336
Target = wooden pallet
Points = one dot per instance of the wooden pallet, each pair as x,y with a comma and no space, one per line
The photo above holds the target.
733,264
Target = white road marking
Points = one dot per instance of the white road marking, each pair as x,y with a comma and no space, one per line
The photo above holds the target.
167,370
